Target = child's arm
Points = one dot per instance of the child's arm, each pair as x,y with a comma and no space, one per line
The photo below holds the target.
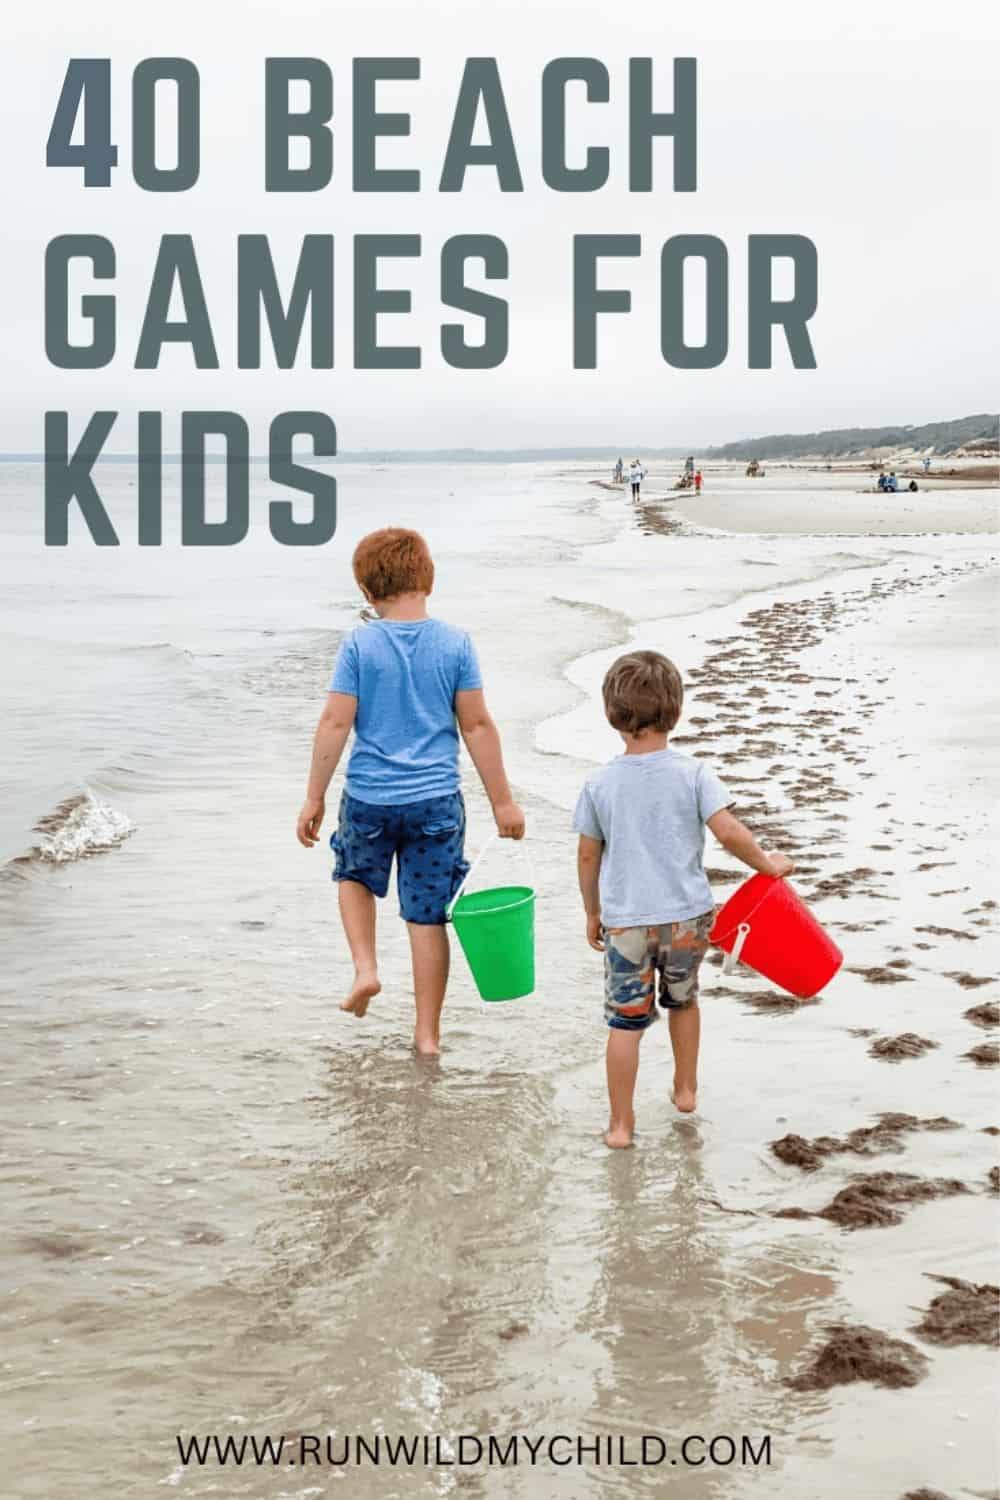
482,740
335,724
588,869
737,839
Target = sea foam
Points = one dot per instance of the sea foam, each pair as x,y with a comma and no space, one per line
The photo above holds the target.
80,826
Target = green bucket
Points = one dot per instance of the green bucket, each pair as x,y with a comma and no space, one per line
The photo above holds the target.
496,929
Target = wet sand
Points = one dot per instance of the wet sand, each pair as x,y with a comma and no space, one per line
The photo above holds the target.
839,711
236,1210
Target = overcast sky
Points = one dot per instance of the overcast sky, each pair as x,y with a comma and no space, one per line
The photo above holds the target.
868,127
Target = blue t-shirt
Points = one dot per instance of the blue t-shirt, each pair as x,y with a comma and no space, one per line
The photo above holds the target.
404,674
650,812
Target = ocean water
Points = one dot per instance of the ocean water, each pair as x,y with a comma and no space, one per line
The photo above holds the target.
233,1210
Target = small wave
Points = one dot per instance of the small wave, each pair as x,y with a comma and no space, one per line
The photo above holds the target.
80,826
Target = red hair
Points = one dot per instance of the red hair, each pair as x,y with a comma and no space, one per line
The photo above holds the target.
393,561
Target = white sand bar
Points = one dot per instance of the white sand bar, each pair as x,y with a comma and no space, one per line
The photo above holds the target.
830,505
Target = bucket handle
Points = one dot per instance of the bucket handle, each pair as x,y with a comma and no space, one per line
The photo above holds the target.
493,838
733,957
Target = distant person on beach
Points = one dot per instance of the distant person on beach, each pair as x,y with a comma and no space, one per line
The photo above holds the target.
892,483
407,685
636,475
883,483
697,482
619,472
927,465
648,903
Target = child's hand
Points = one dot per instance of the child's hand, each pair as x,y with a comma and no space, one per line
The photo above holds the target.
780,864
310,818
510,820
594,931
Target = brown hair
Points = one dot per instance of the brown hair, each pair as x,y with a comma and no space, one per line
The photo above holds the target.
393,561
643,691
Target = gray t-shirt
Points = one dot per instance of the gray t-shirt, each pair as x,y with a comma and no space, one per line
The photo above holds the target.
650,811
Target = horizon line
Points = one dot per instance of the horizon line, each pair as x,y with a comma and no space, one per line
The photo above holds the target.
526,453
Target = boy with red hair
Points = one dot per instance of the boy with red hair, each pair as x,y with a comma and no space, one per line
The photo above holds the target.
407,685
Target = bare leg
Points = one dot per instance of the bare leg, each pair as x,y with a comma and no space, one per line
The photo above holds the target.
431,956
685,1034
623,1066
357,912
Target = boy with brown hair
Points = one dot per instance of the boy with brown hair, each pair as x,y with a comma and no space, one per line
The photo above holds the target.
407,685
641,821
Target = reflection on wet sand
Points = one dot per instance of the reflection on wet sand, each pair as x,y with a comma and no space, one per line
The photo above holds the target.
415,1241
668,1311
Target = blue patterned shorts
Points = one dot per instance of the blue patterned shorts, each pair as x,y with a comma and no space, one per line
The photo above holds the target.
635,956
428,841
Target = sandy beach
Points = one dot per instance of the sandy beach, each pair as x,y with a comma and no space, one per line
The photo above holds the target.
235,1210
793,499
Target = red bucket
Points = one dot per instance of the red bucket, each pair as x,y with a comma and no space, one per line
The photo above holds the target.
765,925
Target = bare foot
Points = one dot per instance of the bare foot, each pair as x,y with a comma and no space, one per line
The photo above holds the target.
426,1046
618,1137
364,988
685,1100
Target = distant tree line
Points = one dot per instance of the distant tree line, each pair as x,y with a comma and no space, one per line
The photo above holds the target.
942,437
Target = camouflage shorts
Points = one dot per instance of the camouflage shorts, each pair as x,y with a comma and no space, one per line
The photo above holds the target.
634,956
